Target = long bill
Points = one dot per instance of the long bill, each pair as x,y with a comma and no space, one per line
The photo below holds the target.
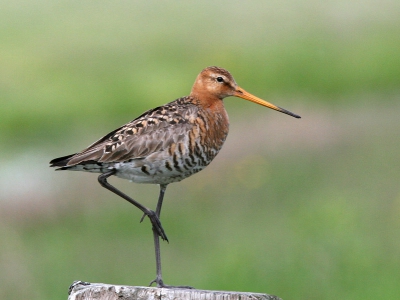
241,93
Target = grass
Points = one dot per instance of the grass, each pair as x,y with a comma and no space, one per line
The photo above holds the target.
82,61
300,232
304,209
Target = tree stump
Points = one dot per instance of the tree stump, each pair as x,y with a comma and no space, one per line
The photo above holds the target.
81,290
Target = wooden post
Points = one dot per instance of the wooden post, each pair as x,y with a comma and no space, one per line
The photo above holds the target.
80,290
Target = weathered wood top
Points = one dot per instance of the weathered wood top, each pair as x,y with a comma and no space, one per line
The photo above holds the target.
99,291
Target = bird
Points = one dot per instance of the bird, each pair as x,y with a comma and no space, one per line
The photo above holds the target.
165,144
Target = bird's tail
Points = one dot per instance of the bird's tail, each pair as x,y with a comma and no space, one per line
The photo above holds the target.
61,161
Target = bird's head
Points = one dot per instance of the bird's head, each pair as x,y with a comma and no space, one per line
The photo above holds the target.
214,83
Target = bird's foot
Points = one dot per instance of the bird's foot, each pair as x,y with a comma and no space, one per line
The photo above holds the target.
155,221
160,284
76,283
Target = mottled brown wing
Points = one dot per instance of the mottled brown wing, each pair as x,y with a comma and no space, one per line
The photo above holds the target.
153,131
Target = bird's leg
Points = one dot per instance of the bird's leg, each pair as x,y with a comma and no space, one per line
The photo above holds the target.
154,219
158,279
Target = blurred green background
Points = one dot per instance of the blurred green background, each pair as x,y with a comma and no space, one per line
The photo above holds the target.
304,209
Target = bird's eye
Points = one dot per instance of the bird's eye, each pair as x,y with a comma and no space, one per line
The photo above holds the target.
220,79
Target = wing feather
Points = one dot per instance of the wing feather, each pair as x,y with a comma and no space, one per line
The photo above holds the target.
154,131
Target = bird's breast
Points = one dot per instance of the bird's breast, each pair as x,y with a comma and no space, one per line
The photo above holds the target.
185,156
